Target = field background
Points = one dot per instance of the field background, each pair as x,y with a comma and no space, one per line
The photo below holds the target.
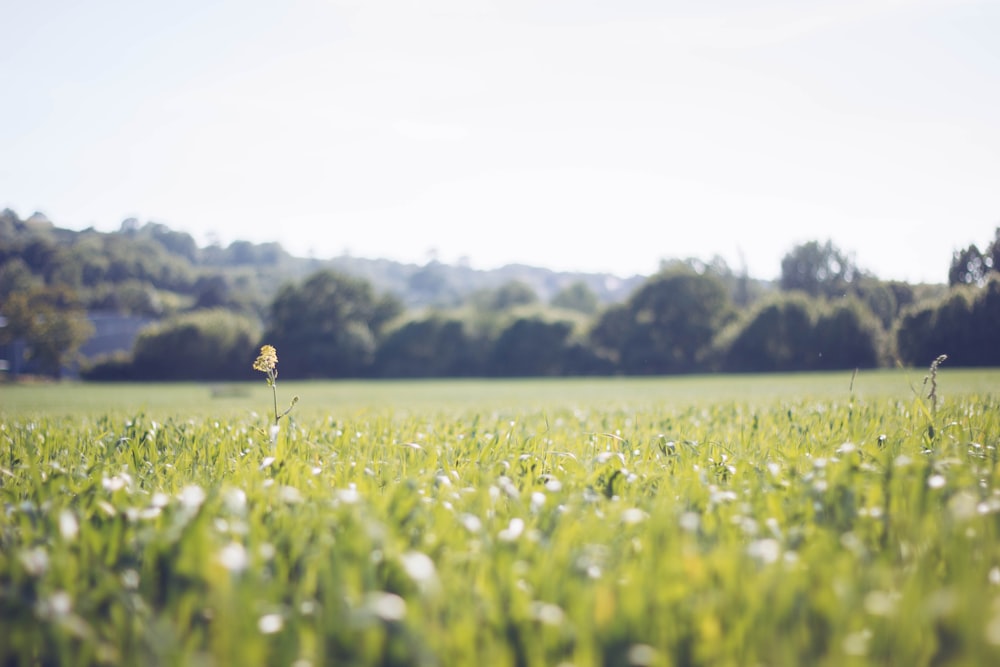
337,398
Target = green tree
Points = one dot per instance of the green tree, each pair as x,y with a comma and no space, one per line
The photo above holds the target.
509,295
609,332
986,323
879,298
667,326
969,266
774,336
743,291
993,251
131,297
429,285
847,335
40,253
915,341
203,345
51,322
176,243
903,293
15,276
818,270
329,325
953,327
531,346
965,326
433,347
795,333
577,296
936,328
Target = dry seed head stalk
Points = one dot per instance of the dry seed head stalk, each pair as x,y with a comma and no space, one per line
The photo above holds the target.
932,377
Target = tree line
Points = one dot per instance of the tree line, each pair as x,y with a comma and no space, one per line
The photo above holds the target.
823,313
682,320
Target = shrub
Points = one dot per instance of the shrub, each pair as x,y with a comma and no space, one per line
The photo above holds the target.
204,345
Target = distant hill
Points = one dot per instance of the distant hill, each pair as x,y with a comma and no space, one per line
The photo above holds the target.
439,284
150,270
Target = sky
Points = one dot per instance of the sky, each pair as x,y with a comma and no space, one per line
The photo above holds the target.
578,135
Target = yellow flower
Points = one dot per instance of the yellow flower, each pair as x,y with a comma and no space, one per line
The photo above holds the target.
267,359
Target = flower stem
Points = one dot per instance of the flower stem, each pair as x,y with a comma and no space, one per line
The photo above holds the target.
274,393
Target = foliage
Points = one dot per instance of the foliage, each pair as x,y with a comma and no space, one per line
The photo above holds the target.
330,325
113,271
15,276
775,336
431,285
577,296
609,333
693,316
793,531
818,270
743,290
880,299
433,347
667,326
965,326
994,250
244,253
50,321
970,266
794,333
506,297
131,297
531,347
108,367
203,345
848,335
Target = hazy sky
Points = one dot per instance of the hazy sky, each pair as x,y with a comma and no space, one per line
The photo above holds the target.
575,134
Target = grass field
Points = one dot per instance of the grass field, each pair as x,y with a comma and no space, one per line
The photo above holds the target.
456,396
757,520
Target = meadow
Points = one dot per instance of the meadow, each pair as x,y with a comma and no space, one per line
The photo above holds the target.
820,519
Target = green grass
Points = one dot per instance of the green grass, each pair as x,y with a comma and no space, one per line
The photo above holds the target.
344,397
782,520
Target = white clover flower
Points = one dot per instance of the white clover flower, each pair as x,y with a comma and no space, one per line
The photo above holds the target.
386,606
537,501
690,521
235,501
290,495
350,495
270,624
192,497
418,566
633,515
69,527
35,561
766,551
234,557
512,531
116,483
471,522
547,613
